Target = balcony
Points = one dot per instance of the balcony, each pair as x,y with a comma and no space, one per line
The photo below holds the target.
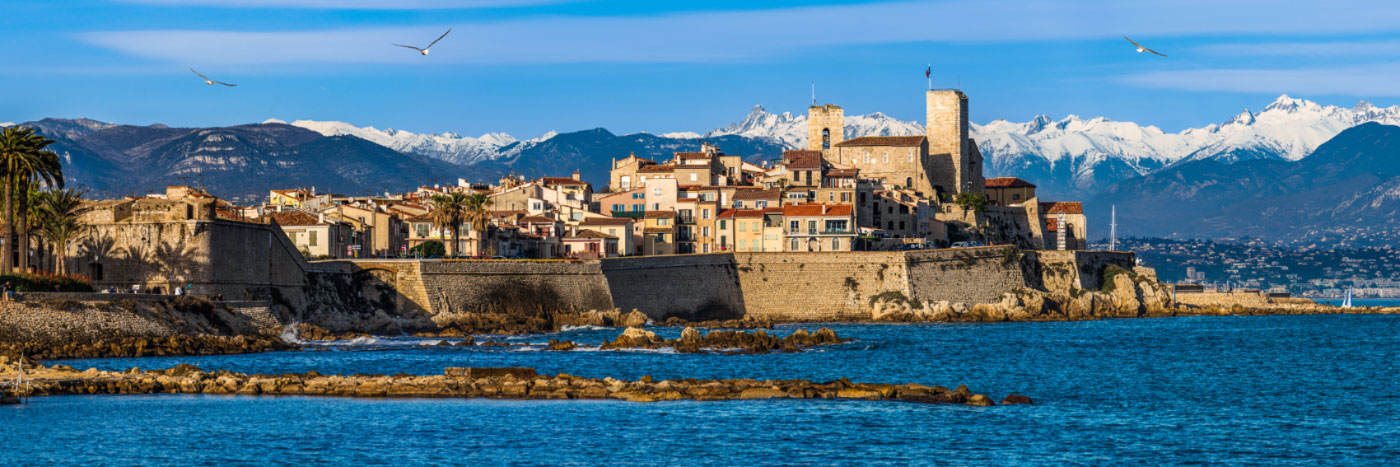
685,219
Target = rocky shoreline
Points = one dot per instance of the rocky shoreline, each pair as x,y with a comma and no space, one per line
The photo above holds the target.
473,383
1124,295
692,341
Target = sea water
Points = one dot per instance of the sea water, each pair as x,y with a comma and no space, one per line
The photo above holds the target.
1269,390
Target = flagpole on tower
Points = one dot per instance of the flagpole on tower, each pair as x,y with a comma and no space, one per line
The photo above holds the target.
814,94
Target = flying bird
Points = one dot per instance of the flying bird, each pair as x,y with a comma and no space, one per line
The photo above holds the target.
1142,49
210,81
424,50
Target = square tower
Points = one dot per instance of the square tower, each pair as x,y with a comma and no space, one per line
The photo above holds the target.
826,126
948,141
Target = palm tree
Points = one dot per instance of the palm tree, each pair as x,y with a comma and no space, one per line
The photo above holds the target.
447,215
60,214
23,157
477,211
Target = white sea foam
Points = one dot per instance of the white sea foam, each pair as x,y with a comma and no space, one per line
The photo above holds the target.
587,327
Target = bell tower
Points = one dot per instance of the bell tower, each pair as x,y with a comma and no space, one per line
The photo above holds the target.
948,144
826,126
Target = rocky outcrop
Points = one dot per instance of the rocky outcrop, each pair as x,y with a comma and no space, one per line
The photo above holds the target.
610,318
129,328
494,383
150,347
745,323
692,341
1124,295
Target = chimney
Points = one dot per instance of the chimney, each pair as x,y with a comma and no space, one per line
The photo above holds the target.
576,175
313,191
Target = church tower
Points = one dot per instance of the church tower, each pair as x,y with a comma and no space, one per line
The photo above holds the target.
826,126
951,159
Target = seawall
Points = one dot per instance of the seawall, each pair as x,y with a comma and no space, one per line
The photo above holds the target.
824,286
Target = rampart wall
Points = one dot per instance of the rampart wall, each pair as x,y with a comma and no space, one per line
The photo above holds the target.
704,286
822,286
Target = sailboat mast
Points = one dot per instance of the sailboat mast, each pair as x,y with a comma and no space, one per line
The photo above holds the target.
1113,229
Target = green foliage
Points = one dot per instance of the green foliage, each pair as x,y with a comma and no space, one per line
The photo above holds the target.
977,202
895,296
429,248
1111,271
46,282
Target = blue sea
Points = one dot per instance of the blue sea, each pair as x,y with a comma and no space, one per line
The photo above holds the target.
1278,390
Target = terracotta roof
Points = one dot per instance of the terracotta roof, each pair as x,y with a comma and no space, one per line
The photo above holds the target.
687,199
536,219
731,213
692,155
1052,225
658,230
843,210
772,193
660,214
586,233
561,181
803,159
656,168
294,218
1066,207
507,213
605,221
1008,182
884,141
843,172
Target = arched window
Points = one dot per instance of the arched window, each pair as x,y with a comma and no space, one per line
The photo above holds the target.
909,182
826,138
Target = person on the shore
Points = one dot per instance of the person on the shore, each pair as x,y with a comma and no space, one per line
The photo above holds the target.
9,291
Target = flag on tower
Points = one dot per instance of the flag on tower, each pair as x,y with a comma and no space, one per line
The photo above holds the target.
928,72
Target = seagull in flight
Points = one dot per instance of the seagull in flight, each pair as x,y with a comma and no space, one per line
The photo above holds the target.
424,50
210,81
1142,49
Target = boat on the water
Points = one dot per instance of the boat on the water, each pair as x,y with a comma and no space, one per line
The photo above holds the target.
1346,301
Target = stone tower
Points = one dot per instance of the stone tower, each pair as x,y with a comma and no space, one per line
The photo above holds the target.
826,126
949,154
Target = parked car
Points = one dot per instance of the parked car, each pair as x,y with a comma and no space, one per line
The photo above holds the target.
913,247
967,244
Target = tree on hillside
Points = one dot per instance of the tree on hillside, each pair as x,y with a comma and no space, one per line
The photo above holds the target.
23,158
478,213
60,221
447,212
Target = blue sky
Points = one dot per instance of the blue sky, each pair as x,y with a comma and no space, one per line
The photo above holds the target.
529,66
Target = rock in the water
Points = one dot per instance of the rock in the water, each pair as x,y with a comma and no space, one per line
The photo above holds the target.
1015,399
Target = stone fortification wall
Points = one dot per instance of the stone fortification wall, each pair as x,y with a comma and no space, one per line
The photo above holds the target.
964,275
1060,271
818,286
703,286
822,286
1225,299
497,286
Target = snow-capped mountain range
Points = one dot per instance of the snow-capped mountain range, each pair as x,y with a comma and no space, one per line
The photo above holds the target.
1070,156
450,147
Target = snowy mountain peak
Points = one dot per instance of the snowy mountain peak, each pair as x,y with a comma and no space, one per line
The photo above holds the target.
447,146
1289,104
1244,118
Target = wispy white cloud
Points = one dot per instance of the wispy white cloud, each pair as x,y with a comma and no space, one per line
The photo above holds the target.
1380,48
753,35
1365,81
349,4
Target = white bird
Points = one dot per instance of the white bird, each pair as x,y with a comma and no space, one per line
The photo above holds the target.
1142,49
210,81
424,50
